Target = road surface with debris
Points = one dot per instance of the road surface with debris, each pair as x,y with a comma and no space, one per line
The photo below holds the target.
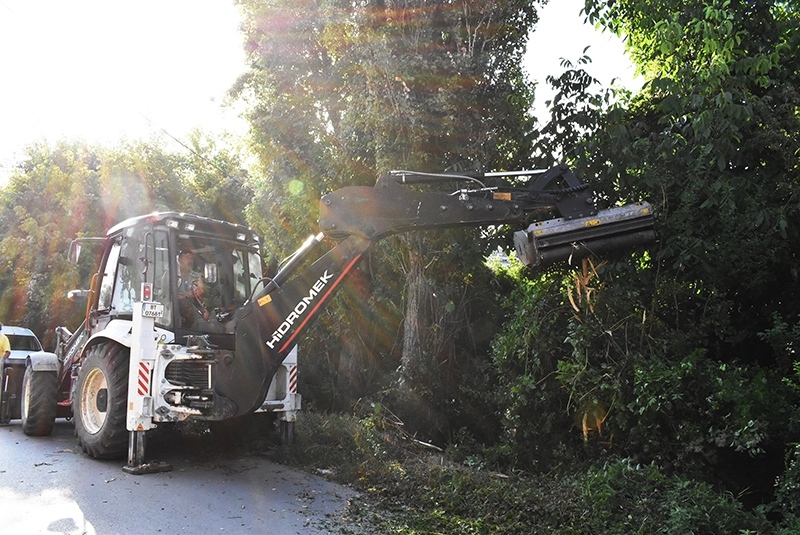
47,485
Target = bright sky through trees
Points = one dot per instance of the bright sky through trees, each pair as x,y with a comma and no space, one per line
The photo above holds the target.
100,70
103,70
561,33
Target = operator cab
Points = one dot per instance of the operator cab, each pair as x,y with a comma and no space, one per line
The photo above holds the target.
200,269
213,278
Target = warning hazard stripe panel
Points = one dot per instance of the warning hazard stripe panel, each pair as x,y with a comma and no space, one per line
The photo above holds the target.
293,379
144,379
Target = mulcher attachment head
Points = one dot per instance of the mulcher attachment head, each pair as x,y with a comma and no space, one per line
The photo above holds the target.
556,240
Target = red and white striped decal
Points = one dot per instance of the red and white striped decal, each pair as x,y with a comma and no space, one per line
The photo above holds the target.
144,379
293,379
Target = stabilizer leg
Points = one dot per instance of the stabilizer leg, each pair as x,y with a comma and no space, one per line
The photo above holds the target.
136,464
5,400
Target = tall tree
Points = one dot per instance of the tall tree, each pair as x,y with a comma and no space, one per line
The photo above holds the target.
720,136
60,192
340,92
688,354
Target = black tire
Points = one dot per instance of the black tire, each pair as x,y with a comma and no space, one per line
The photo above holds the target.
100,399
38,401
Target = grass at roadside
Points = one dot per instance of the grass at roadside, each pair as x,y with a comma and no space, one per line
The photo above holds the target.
412,488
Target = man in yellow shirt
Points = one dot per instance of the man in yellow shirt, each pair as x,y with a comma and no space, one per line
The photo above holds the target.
5,351
5,346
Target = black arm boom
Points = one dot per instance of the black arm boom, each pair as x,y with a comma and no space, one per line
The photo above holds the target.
358,216
390,208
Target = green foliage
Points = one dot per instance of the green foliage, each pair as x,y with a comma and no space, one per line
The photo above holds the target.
340,92
61,192
627,498
787,495
411,489
526,355
615,378
690,347
702,406
720,140
577,110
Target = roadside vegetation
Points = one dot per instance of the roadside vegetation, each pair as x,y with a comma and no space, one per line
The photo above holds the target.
411,488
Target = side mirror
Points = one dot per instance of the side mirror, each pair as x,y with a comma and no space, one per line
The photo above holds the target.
210,273
75,246
74,252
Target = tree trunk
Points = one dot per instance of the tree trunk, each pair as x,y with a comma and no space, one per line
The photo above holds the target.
415,306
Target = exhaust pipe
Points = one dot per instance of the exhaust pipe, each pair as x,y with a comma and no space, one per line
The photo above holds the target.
556,240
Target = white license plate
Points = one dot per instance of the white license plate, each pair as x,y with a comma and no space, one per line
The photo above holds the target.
152,310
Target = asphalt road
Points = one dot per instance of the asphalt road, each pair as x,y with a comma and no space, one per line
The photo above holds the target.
49,486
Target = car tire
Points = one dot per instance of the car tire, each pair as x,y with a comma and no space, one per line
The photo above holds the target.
100,399
38,401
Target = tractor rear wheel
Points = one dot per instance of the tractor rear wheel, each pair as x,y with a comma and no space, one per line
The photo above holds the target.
39,401
100,399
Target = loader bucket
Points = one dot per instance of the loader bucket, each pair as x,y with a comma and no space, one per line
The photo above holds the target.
556,240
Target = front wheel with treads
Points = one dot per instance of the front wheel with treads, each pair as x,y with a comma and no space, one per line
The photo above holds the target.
100,399
39,401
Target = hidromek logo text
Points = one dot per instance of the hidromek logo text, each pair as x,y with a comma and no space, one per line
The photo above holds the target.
299,309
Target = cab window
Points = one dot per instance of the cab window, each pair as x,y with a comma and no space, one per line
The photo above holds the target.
127,281
247,271
107,283
157,270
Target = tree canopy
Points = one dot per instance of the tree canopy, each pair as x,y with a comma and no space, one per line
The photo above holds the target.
68,190
687,355
341,92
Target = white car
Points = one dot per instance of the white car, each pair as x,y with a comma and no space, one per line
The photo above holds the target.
23,342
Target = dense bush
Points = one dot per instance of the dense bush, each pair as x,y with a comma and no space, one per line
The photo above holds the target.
606,374
411,488
626,498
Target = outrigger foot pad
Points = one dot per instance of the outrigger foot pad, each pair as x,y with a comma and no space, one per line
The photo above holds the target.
147,468
136,464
